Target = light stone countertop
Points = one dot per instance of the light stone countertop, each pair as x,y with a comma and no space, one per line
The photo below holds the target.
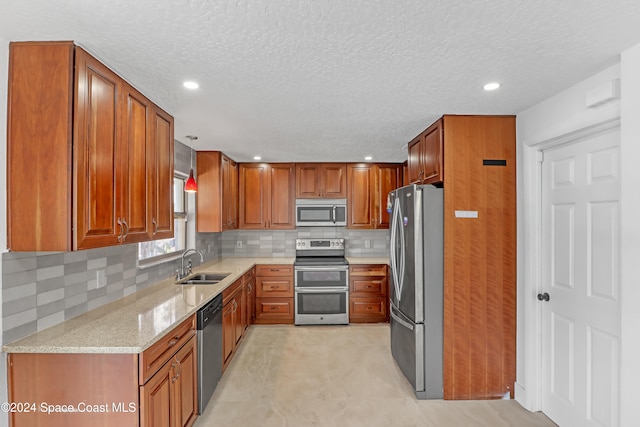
133,323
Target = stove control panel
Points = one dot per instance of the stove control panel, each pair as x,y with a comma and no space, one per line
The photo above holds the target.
314,244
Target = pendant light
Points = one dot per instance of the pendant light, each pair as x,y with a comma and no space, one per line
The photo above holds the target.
191,186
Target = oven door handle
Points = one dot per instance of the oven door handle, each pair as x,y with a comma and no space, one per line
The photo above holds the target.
321,290
326,268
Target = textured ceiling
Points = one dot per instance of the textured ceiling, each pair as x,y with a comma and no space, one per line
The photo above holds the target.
334,80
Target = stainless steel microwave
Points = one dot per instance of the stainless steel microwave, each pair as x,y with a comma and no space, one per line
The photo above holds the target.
321,212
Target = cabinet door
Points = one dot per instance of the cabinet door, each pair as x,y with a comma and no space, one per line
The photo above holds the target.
228,333
253,195
226,192
431,154
136,189
414,166
281,199
251,301
156,397
334,180
229,193
162,177
360,190
96,135
308,180
39,145
209,215
239,316
388,178
185,403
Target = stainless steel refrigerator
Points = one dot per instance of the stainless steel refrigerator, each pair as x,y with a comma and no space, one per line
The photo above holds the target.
416,286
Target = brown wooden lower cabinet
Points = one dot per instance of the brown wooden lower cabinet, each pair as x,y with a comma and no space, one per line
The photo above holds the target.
170,397
233,320
249,283
274,294
368,300
155,388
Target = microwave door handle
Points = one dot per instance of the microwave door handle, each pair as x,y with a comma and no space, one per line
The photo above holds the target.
334,214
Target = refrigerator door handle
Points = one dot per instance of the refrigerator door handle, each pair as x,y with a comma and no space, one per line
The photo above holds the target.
401,271
398,319
394,261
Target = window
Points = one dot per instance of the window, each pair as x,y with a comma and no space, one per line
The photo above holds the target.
156,251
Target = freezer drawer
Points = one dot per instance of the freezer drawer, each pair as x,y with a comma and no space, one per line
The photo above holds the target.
419,359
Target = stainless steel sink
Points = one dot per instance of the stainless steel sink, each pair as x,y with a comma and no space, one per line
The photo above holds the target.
203,279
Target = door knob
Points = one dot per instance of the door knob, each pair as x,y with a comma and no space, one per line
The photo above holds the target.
543,297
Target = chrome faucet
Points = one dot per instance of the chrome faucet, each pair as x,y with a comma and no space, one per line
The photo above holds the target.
182,272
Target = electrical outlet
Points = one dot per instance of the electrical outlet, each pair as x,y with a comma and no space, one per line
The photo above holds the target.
367,244
208,248
101,279
239,244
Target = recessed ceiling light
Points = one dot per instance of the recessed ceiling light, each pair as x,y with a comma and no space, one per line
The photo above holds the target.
191,85
257,158
491,86
368,158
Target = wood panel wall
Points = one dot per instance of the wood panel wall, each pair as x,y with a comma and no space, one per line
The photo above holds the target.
480,258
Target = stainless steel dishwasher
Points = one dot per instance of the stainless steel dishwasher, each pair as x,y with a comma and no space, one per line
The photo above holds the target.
209,350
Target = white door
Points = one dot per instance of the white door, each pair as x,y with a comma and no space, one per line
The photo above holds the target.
580,274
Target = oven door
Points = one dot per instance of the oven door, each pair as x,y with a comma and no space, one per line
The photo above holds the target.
309,277
326,306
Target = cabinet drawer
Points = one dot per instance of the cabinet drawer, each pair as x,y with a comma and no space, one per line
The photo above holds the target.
274,270
159,353
231,291
369,286
274,287
367,309
279,310
249,276
368,270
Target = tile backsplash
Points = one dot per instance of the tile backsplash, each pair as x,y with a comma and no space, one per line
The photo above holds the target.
281,243
41,289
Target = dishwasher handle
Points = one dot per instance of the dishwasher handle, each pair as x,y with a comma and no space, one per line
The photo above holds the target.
207,313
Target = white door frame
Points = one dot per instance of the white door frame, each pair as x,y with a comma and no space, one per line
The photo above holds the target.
529,388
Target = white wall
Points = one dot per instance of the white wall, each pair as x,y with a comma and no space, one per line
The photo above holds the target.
4,65
556,117
551,120
630,242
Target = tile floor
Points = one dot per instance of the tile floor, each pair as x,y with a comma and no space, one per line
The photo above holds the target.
336,376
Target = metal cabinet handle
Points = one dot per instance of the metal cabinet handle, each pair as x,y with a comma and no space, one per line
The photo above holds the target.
250,288
119,222
155,226
175,377
126,233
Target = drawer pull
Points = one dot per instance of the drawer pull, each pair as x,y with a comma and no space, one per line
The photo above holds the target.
275,269
273,308
274,287
174,341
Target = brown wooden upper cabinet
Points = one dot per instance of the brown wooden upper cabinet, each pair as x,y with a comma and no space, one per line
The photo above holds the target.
90,159
321,180
368,185
266,196
426,160
217,197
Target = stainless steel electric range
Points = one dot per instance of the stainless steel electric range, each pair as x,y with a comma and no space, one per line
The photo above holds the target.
321,282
